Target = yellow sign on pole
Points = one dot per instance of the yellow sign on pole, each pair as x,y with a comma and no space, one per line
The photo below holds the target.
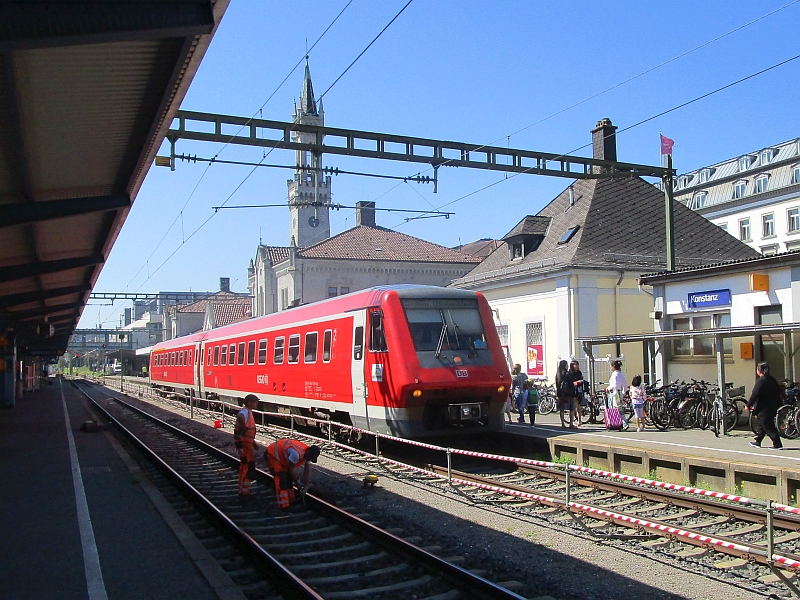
163,161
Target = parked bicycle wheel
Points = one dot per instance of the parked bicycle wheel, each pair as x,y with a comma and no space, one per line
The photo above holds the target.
662,418
731,415
547,404
786,421
589,414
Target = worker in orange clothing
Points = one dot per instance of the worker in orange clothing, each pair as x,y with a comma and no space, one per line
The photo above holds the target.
244,438
284,459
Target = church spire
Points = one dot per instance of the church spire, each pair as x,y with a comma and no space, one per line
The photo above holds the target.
307,103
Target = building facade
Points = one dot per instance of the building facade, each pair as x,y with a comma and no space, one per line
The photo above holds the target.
571,270
760,291
754,197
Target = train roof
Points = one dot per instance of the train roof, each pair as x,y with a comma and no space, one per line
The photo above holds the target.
353,301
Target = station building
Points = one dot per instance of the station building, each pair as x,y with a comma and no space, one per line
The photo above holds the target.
572,269
757,293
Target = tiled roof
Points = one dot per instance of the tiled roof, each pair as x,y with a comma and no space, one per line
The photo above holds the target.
200,305
717,181
622,224
530,225
274,254
377,243
480,248
231,311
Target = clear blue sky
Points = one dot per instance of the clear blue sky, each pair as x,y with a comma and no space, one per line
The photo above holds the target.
471,71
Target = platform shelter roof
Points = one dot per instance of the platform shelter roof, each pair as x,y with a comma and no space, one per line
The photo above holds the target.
87,92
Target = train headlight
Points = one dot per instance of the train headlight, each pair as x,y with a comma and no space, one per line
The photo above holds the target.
417,393
501,389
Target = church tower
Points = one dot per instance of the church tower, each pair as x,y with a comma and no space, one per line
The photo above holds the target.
309,191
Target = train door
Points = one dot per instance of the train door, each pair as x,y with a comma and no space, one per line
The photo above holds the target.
359,414
199,359
376,361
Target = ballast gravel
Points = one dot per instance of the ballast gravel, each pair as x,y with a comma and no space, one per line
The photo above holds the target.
538,559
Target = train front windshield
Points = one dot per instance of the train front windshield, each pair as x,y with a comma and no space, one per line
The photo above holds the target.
446,325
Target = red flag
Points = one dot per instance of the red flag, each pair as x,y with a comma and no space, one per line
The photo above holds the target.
666,145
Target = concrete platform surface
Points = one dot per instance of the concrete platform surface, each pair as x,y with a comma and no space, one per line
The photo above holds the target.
76,522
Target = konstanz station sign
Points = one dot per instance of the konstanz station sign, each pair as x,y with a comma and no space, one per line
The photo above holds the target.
712,298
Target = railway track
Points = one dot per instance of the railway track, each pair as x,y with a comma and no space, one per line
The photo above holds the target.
316,551
702,533
718,534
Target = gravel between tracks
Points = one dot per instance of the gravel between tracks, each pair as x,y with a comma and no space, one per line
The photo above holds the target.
549,561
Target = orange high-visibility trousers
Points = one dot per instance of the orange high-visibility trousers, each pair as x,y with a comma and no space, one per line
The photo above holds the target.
247,465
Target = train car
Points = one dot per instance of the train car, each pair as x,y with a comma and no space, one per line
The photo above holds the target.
411,361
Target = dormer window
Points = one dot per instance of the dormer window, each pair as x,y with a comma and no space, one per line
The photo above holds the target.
796,174
739,189
568,235
766,156
517,251
761,183
744,163
699,200
705,175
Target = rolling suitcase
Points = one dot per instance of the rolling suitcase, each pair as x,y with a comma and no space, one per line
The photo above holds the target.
613,419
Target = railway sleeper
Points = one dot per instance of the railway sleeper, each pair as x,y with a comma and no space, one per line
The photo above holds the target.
339,550
299,568
361,576
374,591
307,543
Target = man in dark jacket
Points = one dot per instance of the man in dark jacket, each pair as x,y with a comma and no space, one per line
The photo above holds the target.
764,402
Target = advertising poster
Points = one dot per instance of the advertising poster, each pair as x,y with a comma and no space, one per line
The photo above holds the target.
535,359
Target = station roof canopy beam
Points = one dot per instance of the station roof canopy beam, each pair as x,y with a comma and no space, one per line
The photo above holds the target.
87,93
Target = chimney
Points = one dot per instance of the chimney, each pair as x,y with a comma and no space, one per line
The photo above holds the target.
224,284
604,141
365,214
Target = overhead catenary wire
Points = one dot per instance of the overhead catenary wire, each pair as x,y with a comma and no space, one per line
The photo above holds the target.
627,128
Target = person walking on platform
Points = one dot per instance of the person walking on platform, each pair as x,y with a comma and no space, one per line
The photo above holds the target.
284,458
244,438
765,400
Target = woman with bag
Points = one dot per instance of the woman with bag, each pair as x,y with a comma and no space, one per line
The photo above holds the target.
617,384
565,392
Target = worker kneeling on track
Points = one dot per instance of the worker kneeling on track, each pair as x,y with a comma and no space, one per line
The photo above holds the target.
244,438
284,459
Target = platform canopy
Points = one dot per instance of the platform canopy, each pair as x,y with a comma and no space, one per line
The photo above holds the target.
87,92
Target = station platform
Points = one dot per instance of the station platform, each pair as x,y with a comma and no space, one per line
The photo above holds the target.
689,457
80,520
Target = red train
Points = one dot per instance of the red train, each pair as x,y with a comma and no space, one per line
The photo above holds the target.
406,360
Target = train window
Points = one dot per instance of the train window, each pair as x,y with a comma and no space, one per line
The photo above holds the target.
294,349
262,352
224,358
278,356
209,362
232,354
310,355
182,355
358,343
326,346
191,355
241,353
377,341
172,359
216,355
251,352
